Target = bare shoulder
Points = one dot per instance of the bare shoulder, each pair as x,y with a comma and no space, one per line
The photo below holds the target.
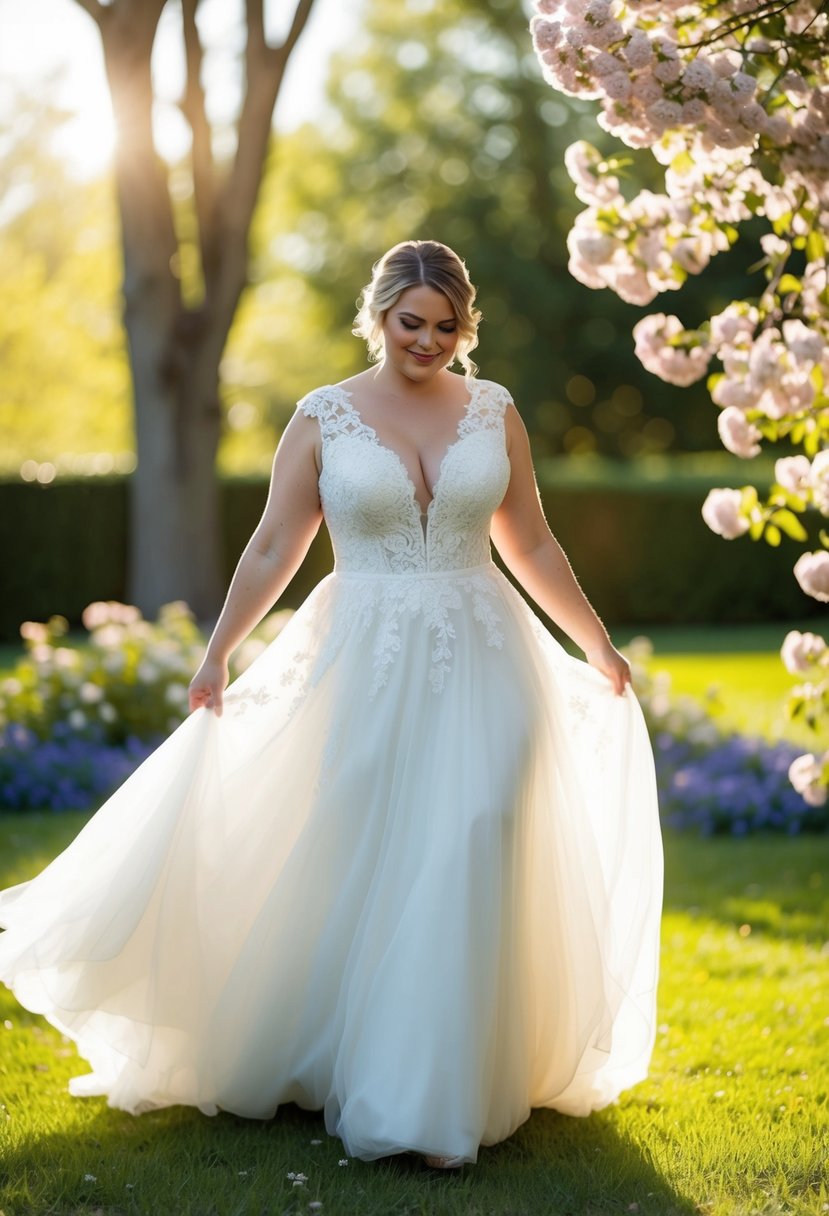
359,380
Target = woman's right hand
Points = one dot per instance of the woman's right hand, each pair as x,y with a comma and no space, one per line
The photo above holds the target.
208,685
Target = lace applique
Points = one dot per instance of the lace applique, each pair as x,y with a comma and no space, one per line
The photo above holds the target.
374,519
238,702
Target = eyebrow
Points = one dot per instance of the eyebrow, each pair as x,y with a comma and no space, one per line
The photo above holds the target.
414,317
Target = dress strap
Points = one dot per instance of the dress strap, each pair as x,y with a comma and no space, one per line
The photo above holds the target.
486,408
331,406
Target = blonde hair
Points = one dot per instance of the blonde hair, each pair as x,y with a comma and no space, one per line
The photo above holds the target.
419,264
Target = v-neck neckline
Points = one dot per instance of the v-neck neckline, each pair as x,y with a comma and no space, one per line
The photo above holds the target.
393,452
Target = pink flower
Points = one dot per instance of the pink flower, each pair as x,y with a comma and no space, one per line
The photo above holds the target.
699,75
721,511
738,434
819,481
800,651
638,50
678,364
805,344
806,775
792,473
812,573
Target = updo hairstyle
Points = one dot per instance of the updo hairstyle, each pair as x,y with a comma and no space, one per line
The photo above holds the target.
419,264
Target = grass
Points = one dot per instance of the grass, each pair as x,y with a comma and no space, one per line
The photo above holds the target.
732,1121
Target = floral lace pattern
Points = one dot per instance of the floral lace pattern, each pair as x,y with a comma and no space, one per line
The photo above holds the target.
369,501
396,562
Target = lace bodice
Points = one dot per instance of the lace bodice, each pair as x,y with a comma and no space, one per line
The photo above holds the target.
369,501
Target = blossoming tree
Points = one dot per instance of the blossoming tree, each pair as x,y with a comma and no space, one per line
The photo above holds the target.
733,99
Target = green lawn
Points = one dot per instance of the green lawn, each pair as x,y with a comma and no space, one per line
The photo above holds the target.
732,1121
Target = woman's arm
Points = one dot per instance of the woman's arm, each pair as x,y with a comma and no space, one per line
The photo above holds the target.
271,557
530,551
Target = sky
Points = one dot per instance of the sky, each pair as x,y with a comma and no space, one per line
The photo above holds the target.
40,37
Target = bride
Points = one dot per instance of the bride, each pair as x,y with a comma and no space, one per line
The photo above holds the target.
407,868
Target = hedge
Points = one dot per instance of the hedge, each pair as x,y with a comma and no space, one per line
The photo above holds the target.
639,546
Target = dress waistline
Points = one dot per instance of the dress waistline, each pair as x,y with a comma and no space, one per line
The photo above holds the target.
414,575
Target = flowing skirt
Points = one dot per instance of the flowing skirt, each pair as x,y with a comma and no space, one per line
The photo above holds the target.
412,877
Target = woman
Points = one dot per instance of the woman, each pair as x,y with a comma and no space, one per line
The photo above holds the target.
409,869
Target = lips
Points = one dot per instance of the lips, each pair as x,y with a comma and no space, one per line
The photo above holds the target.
424,359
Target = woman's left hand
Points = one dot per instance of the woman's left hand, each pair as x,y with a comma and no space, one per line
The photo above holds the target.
610,663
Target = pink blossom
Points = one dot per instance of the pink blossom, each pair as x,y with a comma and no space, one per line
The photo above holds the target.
634,286
646,90
806,775
677,364
546,34
667,71
738,434
801,651
721,511
819,481
792,473
733,321
812,573
805,344
693,111
665,113
618,86
699,75
638,50
733,394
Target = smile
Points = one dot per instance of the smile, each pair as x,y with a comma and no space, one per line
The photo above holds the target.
422,358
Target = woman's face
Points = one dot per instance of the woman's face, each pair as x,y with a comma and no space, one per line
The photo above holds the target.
420,333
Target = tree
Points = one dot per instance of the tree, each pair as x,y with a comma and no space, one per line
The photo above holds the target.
733,100
176,338
441,126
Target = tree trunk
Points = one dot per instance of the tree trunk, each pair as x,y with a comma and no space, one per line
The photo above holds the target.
175,351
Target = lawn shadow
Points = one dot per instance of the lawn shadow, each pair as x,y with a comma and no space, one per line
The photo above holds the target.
775,884
178,1160
556,1164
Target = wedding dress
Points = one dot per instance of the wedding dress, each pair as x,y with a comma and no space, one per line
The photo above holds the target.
412,876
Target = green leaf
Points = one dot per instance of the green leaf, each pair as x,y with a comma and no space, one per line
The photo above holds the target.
782,224
683,163
755,529
788,522
772,536
788,283
815,246
749,499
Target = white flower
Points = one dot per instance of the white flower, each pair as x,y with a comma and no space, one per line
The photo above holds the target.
89,1178
800,651
819,481
805,775
792,473
91,693
738,434
812,572
721,511
805,344
77,719
681,365
343,1161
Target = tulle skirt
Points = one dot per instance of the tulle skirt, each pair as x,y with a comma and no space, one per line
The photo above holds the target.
412,877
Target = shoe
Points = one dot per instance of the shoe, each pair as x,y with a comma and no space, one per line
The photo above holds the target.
444,1163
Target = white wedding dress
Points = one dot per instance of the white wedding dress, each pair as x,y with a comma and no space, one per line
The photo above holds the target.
412,876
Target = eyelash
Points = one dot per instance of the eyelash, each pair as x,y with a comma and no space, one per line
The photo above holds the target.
450,330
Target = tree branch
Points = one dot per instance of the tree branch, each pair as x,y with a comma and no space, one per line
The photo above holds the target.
265,69
97,11
301,15
204,177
